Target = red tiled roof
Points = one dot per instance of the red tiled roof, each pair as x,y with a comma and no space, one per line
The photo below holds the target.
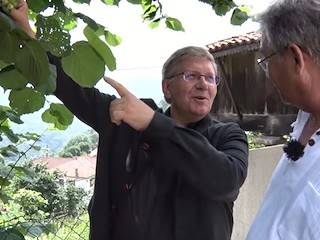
242,40
76,167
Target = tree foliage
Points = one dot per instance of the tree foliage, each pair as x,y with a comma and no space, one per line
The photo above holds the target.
80,145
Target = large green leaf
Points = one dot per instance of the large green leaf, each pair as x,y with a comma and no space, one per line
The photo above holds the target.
50,85
111,2
84,65
239,15
174,24
11,78
112,39
32,61
102,49
58,115
9,46
38,5
26,100
51,33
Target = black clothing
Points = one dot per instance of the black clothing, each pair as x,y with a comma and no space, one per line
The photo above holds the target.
165,183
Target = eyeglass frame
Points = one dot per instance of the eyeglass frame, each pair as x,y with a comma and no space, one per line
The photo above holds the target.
216,79
264,62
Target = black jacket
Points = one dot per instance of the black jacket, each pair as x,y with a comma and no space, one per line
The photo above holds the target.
178,183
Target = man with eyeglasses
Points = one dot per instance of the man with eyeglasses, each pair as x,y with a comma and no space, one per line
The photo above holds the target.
170,175
290,41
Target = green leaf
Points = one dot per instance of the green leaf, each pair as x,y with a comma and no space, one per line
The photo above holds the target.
84,65
59,115
9,133
4,198
221,7
30,136
174,24
69,20
24,172
95,26
150,12
134,1
239,15
50,85
6,23
111,2
101,48
9,46
32,61
112,39
38,5
155,23
9,149
3,64
26,100
4,182
11,78
6,112
82,1
12,234
52,35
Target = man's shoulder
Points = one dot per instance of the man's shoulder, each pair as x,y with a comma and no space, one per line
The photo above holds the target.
150,102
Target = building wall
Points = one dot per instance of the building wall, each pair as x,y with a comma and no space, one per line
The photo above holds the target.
261,165
246,90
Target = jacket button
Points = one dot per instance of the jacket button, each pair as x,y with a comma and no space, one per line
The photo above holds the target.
311,142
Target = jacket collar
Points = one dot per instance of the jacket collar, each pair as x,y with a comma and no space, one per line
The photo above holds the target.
200,126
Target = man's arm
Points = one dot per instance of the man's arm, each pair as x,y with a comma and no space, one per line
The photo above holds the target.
217,166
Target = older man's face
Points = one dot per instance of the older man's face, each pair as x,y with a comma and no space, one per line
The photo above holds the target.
191,100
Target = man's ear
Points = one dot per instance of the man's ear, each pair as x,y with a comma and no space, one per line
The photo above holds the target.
299,58
165,89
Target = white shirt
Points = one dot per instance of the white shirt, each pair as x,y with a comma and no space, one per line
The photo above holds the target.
291,207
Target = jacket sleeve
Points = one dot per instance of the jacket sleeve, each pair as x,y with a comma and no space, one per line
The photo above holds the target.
87,104
216,166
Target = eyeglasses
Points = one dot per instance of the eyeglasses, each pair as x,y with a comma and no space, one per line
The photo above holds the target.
194,76
264,63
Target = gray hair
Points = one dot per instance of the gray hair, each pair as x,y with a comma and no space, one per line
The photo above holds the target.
186,52
292,21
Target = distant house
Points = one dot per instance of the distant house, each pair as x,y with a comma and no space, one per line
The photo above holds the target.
78,170
245,94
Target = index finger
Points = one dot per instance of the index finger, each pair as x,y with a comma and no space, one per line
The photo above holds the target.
117,86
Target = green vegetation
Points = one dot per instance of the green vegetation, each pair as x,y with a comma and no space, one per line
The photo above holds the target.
251,136
80,145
